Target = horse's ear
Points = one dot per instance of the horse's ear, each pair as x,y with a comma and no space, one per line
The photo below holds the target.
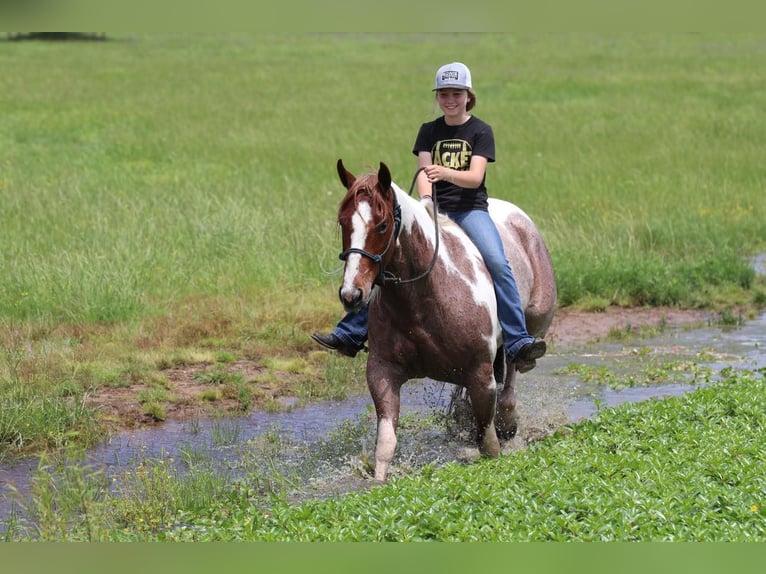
346,178
384,177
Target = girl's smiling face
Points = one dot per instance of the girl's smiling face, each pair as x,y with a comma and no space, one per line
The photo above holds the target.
452,102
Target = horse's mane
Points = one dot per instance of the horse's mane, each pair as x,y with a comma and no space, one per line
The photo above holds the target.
365,186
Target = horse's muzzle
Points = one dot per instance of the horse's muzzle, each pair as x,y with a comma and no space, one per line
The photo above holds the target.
352,299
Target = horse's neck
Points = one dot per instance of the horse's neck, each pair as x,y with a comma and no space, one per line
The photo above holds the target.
417,243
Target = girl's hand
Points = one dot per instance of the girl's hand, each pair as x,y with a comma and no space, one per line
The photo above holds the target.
436,173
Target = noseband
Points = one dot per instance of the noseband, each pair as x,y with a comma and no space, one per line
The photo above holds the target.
384,277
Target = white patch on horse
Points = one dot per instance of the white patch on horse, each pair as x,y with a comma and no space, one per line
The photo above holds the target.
504,210
385,447
358,239
482,290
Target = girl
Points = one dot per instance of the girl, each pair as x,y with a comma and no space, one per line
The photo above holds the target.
453,152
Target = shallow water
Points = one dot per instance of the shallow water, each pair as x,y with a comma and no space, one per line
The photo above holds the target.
715,348
548,398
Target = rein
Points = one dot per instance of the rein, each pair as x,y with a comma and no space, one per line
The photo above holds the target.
384,277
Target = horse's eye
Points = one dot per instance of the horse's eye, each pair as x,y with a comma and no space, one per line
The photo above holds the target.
382,227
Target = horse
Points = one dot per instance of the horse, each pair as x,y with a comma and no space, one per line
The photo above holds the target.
432,306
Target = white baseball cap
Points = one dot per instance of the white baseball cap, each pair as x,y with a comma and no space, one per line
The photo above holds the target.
454,75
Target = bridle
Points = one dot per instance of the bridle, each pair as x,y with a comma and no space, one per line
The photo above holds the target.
383,276
386,277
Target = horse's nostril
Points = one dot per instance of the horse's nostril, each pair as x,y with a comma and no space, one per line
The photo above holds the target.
346,295
352,299
356,298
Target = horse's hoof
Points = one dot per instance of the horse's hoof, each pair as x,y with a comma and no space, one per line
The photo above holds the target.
506,422
507,433
468,454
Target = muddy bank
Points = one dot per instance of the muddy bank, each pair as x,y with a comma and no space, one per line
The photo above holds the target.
569,328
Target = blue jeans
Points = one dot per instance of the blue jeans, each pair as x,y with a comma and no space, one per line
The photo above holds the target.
352,329
478,225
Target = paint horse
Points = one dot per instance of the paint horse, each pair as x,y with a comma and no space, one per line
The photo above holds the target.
432,307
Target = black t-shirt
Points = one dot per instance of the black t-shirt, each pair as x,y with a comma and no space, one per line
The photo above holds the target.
453,147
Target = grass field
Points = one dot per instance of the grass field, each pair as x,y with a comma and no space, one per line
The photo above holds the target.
171,199
141,171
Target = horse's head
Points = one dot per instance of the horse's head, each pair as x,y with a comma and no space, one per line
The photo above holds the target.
369,220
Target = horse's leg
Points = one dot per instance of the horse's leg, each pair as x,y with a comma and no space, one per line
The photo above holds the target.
507,420
385,396
483,393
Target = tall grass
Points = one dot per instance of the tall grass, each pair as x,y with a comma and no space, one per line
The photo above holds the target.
139,171
42,403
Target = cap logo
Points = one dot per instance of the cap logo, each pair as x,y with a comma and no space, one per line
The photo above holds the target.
450,75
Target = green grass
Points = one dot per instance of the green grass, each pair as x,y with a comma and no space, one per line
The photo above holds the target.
151,168
43,404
